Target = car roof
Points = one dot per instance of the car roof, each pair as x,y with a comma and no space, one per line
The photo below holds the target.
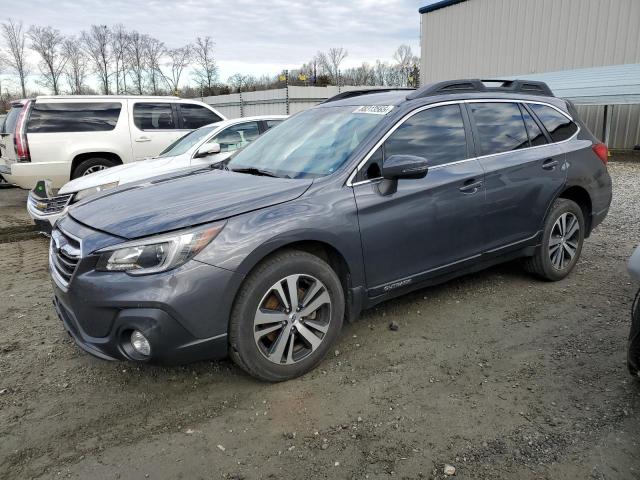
399,98
111,97
256,118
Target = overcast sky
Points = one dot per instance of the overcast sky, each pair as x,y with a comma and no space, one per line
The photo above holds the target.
252,37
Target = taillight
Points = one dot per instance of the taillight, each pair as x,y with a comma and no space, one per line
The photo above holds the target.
20,134
601,150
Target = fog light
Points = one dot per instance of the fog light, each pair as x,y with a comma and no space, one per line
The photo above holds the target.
140,343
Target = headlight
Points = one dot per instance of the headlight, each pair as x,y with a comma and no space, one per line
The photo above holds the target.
82,194
157,254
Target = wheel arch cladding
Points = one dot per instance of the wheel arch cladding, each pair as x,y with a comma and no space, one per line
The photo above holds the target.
580,196
321,249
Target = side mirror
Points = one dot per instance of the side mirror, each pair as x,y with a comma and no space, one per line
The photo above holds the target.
208,149
404,166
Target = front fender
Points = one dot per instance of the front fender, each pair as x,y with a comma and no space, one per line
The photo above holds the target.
249,238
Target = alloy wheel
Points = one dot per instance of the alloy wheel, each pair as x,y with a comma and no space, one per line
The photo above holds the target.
94,169
564,240
292,319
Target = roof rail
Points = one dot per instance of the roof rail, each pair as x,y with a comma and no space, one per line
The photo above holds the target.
477,85
357,93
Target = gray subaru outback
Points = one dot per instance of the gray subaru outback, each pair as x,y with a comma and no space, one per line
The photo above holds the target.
365,197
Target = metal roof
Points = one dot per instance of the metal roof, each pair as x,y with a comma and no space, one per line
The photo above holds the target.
610,85
438,5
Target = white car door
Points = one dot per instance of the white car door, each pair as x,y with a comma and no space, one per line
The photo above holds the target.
154,126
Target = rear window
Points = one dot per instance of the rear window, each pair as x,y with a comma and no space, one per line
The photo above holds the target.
153,116
559,127
73,117
500,127
196,116
9,124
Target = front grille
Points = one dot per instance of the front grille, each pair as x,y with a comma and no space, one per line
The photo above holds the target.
64,255
52,204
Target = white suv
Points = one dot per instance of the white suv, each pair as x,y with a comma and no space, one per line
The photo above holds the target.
204,147
65,137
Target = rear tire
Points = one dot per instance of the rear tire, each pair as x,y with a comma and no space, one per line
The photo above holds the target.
562,240
286,317
92,165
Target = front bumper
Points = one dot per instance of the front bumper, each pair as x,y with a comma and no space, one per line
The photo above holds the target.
184,313
42,219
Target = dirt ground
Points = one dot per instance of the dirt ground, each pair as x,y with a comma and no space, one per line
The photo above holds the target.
497,374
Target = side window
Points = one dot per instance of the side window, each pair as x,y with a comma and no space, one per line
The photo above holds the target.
437,134
536,137
559,127
272,123
373,168
73,117
499,126
153,116
9,123
236,136
196,116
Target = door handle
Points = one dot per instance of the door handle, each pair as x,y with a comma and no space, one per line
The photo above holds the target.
471,186
143,139
549,164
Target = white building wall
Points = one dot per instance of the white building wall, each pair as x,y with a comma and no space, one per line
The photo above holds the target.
494,38
489,38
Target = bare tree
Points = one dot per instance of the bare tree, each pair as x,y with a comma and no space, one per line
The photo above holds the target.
406,61
97,45
179,59
205,70
136,59
14,36
332,61
119,40
47,42
154,52
76,65
242,82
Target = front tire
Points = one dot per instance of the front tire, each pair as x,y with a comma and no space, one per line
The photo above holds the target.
286,317
92,165
562,240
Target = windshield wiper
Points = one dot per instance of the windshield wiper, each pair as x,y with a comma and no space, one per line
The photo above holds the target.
255,171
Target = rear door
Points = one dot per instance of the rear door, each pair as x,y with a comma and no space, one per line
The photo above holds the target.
194,116
523,171
426,225
154,126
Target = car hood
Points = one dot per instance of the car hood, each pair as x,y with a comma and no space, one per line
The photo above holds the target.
127,173
183,200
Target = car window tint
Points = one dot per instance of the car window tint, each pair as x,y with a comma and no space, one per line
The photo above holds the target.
436,134
9,123
272,123
559,127
73,117
153,116
236,136
196,116
500,127
536,137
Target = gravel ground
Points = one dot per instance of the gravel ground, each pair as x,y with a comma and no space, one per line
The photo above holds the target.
496,374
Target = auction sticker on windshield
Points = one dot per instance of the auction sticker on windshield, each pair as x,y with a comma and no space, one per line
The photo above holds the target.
374,109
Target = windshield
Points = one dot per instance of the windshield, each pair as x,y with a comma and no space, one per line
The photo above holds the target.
312,144
186,142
